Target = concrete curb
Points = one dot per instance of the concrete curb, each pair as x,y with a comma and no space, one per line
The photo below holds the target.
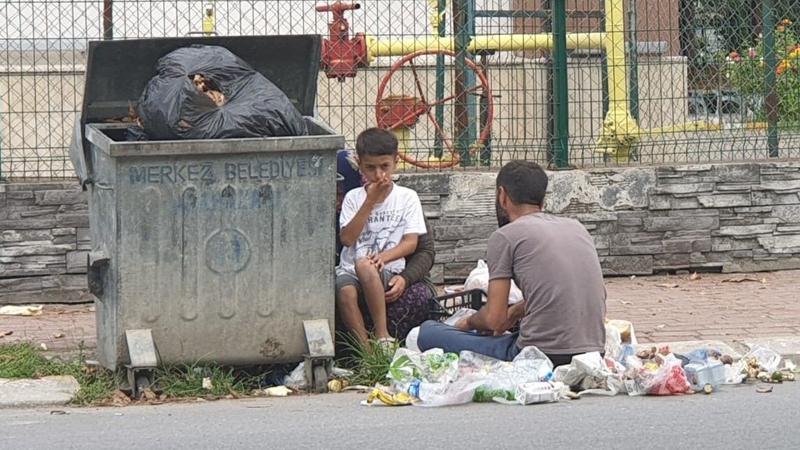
32,393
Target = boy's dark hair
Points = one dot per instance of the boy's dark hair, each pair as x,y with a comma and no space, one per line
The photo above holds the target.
376,142
525,182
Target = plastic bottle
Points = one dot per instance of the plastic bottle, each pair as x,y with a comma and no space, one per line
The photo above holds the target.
424,390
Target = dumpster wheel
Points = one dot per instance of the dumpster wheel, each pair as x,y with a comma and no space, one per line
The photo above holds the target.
142,381
320,379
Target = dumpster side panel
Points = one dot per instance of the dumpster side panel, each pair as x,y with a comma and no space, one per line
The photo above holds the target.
103,226
224,256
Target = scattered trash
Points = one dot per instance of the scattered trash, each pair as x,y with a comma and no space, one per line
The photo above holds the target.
385,398
667,285
435,378
458,315
297,378
695,276
453,289
278,391
591,373
118,414
58,412
764,389
625,303
43,346
21,310
337,385
339,372
357,388
58,335
540,392
705,376
5,333
207,384
411,339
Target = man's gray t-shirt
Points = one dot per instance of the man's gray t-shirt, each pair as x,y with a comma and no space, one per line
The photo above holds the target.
554,262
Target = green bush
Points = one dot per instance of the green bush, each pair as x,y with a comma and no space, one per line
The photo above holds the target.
746,70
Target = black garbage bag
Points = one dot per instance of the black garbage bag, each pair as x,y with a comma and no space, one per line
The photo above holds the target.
207,92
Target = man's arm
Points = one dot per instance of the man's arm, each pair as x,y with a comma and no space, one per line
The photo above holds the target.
494,314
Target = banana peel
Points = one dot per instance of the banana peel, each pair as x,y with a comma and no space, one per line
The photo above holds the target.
398,399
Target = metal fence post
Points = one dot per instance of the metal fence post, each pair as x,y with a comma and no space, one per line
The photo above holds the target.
441,7
561,96
633,61
771,100
108,19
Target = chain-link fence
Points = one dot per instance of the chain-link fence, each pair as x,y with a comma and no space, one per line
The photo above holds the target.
464,83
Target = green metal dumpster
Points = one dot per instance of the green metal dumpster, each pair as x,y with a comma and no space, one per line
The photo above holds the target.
221,248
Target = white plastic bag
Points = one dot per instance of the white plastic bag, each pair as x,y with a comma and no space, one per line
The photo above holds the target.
479,279
458,315
411,339
613,343
433,366
297,378
769,359
591,372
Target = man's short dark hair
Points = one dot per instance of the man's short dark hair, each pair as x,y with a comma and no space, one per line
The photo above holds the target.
525,182
376,142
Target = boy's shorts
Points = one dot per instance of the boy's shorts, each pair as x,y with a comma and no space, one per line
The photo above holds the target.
347,279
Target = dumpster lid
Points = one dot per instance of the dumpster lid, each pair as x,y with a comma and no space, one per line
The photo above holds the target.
117,71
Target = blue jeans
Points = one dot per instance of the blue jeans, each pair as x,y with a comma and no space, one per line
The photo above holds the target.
433,334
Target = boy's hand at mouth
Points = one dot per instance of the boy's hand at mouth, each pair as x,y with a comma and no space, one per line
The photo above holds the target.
377,191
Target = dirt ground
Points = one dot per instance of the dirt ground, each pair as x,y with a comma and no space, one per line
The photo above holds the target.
724,307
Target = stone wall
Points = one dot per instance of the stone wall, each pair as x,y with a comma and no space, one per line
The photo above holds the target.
722,217
44,239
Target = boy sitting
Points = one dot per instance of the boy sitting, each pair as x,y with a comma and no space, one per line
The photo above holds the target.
380,225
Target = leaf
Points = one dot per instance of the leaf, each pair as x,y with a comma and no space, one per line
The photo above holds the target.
740,280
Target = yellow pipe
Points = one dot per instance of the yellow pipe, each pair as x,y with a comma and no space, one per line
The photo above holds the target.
507,43
620,131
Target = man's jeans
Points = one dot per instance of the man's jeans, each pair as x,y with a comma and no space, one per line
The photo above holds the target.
433,334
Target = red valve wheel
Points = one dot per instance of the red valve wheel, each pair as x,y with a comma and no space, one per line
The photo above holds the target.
420,106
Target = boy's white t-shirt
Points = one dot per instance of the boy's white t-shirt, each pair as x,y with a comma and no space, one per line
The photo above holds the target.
398,215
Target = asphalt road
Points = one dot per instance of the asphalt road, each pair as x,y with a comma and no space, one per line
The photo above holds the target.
735,418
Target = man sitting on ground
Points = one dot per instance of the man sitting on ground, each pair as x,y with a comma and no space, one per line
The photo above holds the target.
554,262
